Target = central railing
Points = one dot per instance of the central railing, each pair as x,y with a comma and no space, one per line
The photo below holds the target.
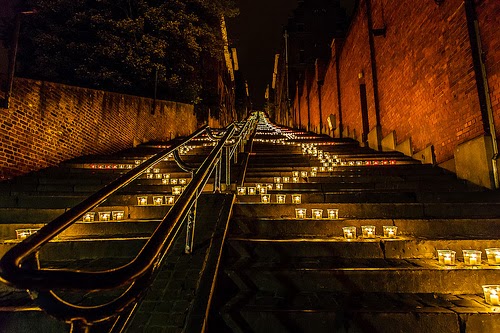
19,267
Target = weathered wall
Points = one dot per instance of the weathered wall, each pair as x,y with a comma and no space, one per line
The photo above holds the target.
427,89
48,123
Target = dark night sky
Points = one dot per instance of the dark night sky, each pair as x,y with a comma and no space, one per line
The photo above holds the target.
257,33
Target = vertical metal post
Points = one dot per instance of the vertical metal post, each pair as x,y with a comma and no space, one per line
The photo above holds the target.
228,166
190,226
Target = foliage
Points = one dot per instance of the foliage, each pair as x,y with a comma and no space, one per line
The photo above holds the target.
123,45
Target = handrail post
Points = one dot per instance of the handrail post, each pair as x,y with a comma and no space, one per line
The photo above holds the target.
227,162
190,226
79,326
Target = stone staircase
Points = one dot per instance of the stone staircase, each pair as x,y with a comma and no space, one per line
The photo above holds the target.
287,272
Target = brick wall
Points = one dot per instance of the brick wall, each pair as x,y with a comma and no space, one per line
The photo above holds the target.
48,123
426,83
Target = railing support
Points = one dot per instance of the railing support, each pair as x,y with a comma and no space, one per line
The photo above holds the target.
79,326
190,226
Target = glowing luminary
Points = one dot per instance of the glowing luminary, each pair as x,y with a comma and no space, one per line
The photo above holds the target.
150,175
317,214
446,257
118,215
390,231
176,190
281,198
182,181
330,168
295,173
137,162
263,190
277,180
174,181
269,187
156,170
265,198
158,175
121,166
241,190
322,169
88,217
25,233
296,198
130,166
252,190
285,179
368,231
326,164
313,173
166,175
142,201
169,199
258,187
491,294
333,213
349,232
303,174
165,181
315,169
104,216
279,187
300,213
295,179
157,200
472,257
493,255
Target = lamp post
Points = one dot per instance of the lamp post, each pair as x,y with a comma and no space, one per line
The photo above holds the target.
13,56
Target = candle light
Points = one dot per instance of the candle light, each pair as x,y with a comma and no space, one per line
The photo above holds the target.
169,199
158,175
265,198
263,190
281,198
349,232
390,231
317,214
241,190
88,217
314,169
269,187
285,179
446,257
176,190
173,181
279,187
368,231
165,181
182,181
252,191
295,173
142,201
156,170
296,198
333,213
300,213
472,257
313,173
104,216
118,215
493,255
149,176
166,175
295,179
157,200
322,169
303,174
277,180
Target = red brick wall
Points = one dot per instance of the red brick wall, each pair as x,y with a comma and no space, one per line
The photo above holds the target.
488,13
426,81
48,123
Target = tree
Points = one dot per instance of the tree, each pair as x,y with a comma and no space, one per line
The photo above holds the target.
122,45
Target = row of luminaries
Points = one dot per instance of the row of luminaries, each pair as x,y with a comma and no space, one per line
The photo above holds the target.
471,257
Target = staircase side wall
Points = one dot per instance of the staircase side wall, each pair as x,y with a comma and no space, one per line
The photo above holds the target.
48,123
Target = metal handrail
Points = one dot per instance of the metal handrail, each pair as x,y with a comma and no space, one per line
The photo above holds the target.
11,270
18,271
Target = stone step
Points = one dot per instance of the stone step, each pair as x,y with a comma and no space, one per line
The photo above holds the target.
369,312
374,210
282,249
283,228
354,275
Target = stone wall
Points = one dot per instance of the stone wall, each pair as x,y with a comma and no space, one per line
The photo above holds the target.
48,123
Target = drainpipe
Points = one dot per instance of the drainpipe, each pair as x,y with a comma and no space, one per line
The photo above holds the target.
482,84
13,56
